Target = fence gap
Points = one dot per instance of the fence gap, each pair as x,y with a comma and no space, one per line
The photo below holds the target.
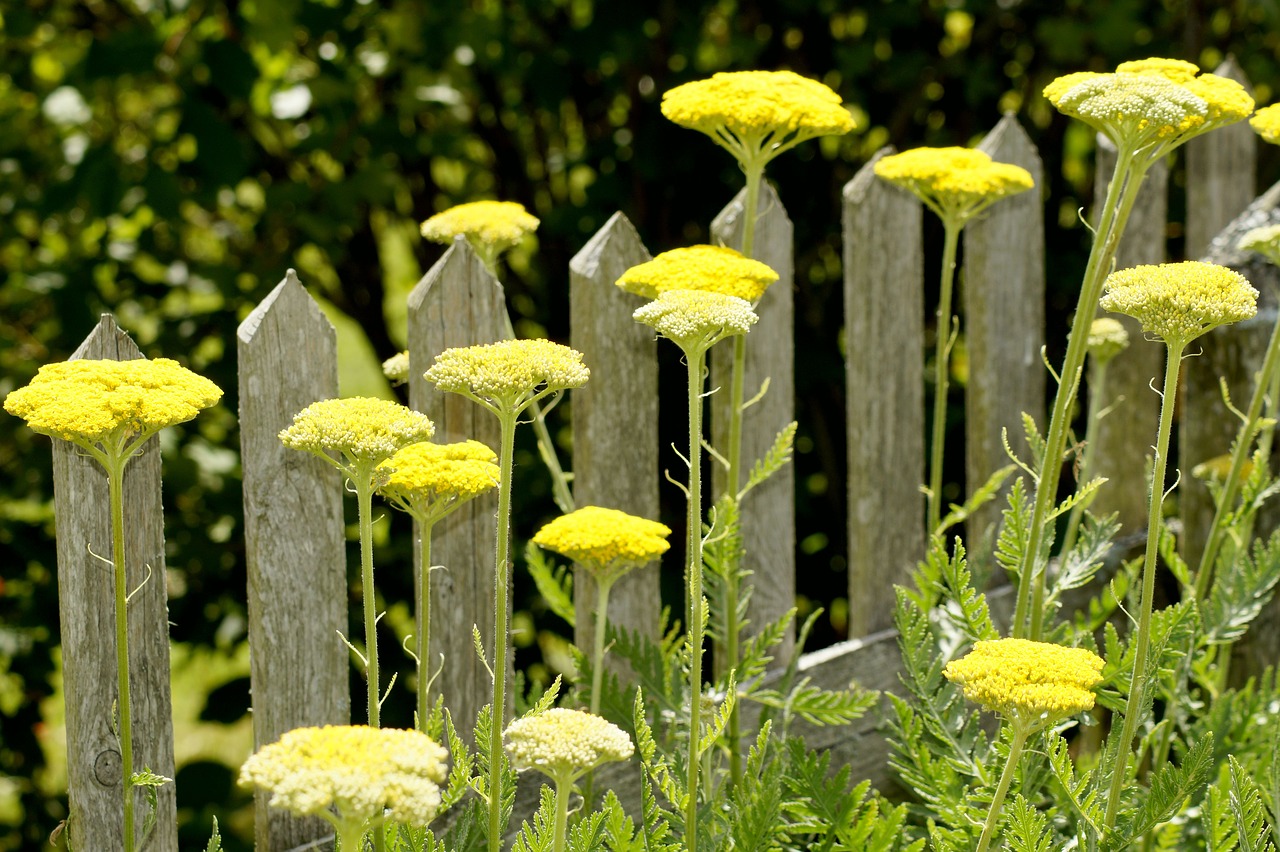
769,513
458,303
1003,296
884,340
615,417
294,541
86,601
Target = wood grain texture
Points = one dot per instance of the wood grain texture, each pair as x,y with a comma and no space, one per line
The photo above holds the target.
615,416
1221,173
769,511
1124,438
294,539
884,338
458,303
86,608
1003,298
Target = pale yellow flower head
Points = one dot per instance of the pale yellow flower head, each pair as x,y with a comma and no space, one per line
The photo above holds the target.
1107,339
111,403
508,375
1265,241
1266,122
396,368
356,432
696,320
356,770
565,744
606,542
716,268
1032,684
491,227
955,183
1178,302
1177,70
757,115
431,480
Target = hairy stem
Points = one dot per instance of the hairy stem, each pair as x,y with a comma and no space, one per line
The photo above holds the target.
695,362
115,488
422,642
562,815
941,372
498,712
1002,788
364,503
1097,397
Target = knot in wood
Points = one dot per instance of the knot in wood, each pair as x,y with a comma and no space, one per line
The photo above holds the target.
106,768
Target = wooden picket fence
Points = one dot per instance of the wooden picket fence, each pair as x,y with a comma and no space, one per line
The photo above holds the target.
297,572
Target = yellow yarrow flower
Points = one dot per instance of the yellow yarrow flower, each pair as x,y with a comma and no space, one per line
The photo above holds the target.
1180,301
396,368
491,227
1107,339
1177,70
430,480
757,115
355,431
717,269
112,403
1265,241
362,773
565,744
1033,684
695,320
955,183
509,374
606,542
1266,122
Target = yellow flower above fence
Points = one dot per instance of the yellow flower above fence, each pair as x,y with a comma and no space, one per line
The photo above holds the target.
1107,339
955,183
1265,241
508,374
565,744
356,770
1266,122
356,430
491,227
1033,684
111,403
717,269
604,541
1180,301
695,320
429,480
757,115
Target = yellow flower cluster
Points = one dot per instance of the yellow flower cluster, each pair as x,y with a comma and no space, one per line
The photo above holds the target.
506,374
1266,122
716,268
110,402
955,183
1107,339
428,480
491,223
1151,102
565,744
604,541
1180,301
396,368
695,320
361,430
756,115
1033,684
1265,241
359,771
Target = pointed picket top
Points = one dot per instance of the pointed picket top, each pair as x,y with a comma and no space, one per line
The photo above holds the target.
289,295
616,241
89,653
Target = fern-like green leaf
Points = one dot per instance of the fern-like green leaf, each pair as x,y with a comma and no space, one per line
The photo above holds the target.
1239,594
1015,532
554,582
774,459
1246,805
215,840
958,514
1026,829
1171,787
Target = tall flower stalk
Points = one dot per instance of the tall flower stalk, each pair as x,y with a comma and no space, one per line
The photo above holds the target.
957,184
695,320
505,378
110,409
1176,302
1147,108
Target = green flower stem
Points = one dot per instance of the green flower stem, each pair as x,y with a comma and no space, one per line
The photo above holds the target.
364,501
562,816
695,361
1002,788
422,642
115,487
1097,396
1121,194
942,370
597,652
1239,455
350,835
501,577
1133,707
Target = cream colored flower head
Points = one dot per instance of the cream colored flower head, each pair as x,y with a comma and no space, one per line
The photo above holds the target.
1107,339
955,183
508,375
1266,122
716,268
1265,241
1178,302
396,368
1151,103
606,542
757,115
696,320
356,432
431,480
1033,684
115,404
356,770
491,227
565,744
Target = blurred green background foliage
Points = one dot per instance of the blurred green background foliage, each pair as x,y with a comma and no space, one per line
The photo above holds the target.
167,161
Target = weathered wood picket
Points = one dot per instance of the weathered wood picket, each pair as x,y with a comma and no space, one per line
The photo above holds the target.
297,576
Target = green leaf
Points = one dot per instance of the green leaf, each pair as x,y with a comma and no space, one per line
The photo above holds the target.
215,840
1239,594
774,459
554,582
1015,531
816,705
1171,787
984,494
1246,806
1026,829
